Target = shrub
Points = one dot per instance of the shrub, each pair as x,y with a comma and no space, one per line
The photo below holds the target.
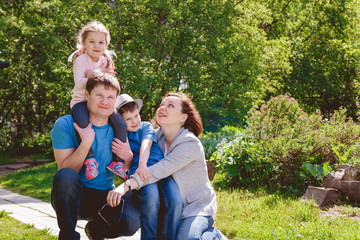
279,141
213,140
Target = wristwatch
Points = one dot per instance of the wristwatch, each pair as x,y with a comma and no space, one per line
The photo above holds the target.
127,183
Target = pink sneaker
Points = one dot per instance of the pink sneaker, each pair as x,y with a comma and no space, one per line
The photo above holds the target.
91,168
117,168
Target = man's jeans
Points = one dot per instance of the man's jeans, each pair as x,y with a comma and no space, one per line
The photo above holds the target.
171,209
198,227
72,201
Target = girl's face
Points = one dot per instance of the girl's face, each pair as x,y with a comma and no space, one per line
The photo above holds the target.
95,45
170,112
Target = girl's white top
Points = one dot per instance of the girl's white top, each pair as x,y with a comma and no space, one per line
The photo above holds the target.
81,65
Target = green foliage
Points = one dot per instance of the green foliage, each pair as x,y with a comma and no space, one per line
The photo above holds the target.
227,55
317,171
214,140
283,147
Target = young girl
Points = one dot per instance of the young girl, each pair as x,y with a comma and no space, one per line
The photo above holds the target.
91,58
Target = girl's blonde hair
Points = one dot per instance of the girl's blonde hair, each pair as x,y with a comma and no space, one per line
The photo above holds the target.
94,26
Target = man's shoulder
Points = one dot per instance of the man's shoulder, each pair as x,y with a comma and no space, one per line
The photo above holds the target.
64,121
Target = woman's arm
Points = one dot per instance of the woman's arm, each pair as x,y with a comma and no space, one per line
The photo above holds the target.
183,153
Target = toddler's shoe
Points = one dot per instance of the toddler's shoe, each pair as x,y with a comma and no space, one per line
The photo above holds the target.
117,168
91,168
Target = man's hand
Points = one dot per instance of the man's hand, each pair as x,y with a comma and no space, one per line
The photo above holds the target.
114,196
123,151
143,172
87,134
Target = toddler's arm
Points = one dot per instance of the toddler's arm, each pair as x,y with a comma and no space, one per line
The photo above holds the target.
143,159
80,67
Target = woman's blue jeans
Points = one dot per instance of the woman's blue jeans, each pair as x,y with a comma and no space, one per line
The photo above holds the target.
198,227
72,201
165,226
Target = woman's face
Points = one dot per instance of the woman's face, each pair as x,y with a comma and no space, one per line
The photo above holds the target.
170,112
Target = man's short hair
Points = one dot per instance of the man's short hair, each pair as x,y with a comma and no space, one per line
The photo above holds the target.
105,79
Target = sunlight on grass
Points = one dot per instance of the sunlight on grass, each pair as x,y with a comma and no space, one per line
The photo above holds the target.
242,214
246,215
11,229
23,181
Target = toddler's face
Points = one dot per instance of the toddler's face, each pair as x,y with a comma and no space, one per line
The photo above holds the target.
95,45
132,120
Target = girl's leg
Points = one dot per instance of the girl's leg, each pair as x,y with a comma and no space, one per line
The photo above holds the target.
195,227
80,115
149,207
172,206
120,129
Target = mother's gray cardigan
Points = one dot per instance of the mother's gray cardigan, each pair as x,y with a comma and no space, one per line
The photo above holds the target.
185,162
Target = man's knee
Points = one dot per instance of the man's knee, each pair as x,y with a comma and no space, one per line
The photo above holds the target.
66,182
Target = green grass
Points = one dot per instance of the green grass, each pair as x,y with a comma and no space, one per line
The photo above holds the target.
11,229
242,214
6,159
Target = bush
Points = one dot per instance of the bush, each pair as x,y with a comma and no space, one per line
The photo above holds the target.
213,140
279,141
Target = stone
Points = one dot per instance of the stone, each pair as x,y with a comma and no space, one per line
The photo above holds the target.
211,169
333,180
344,172
18,166
351,189
322,196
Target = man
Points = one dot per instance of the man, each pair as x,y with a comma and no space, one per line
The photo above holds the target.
73,196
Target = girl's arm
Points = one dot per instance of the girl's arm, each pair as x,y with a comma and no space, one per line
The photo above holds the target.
80,67
142,170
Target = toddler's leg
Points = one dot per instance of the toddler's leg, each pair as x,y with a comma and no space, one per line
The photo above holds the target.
120,129
80,115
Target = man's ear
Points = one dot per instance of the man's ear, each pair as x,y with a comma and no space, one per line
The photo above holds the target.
86,93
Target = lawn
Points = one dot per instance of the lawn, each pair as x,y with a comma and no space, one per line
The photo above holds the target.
242,214
11,229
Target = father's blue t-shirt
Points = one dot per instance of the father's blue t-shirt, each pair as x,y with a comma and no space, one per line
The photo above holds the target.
146,131
63,137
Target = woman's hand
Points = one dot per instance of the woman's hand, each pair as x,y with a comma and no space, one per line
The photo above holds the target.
143,172
114,196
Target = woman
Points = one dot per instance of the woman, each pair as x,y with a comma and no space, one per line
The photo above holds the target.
184,160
